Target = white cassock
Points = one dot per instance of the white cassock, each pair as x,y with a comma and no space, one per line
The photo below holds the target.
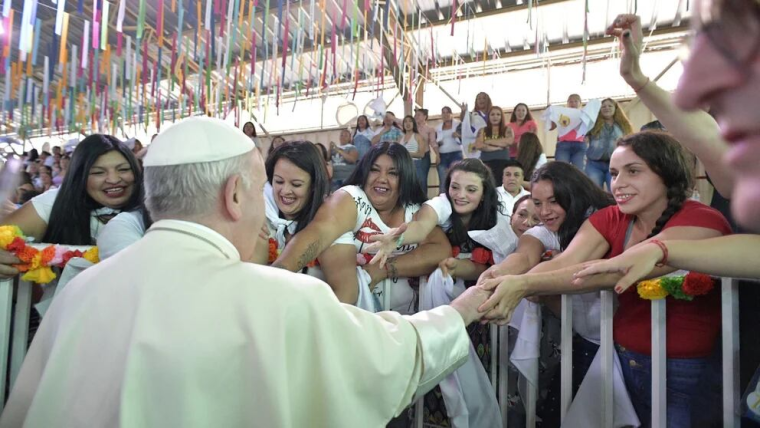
176,331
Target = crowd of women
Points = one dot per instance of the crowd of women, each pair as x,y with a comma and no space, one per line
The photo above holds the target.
358,217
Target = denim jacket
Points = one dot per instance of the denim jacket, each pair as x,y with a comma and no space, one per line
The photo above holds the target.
602,145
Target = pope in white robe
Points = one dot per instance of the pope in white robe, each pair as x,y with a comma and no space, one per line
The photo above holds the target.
178,331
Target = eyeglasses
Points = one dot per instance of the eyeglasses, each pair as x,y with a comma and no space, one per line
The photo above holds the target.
733,28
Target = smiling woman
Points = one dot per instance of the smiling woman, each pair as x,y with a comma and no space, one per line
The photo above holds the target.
380,194
102,180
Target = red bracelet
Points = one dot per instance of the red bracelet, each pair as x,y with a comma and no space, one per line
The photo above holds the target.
664,249
642,86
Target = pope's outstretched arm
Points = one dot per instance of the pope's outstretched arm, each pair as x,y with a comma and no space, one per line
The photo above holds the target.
381,362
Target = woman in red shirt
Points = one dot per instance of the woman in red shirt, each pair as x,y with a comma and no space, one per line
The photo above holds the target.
520,122
651,184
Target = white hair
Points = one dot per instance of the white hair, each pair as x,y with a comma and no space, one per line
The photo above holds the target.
191,190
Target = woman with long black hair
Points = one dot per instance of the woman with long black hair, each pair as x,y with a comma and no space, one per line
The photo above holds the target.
103,180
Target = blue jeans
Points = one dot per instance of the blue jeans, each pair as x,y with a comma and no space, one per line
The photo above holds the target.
599,173
571,152
682,381
422,167
444,163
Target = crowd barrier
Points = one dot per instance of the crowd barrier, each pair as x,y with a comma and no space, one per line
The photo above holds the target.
13,349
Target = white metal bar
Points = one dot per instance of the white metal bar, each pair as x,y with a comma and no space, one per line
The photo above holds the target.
659,364
20,328
531,399
730,315
606,348
419,405
6,303
566,364
504,373
387,294
494,330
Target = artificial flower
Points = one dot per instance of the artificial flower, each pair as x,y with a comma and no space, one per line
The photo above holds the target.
673,285
651,290
91,255
42,275
7,234
697,284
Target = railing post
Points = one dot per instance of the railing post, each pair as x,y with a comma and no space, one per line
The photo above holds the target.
20,328
659,364
6,303
504,373
494,331
606,348
419,405
730,321
566,364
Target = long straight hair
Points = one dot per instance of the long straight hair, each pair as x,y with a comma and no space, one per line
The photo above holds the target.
529,150
618,117
70,216
307,157
575,193
528,116
485,215
409,190
489,126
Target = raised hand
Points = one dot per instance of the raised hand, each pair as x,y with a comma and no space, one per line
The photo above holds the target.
508,291
628,29
384,245
635,263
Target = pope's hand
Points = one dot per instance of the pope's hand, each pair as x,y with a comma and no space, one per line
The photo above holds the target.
468,302
635,263
6,261
508,291
384,245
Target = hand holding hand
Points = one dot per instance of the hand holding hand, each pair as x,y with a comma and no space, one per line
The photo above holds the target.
508,291
636,263
6,261
468,302
384,245
490,273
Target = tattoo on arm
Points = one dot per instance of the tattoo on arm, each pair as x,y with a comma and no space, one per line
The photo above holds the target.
311,253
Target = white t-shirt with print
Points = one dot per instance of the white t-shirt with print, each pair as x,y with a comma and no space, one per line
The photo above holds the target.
369,223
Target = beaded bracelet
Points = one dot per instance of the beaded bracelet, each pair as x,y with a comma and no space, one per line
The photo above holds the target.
664,249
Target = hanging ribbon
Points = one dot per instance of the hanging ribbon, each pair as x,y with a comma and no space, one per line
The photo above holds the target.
140,20
585,40
104,27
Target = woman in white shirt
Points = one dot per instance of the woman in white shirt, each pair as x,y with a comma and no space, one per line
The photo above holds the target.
362,138
417,147
449,145
104,179
380,195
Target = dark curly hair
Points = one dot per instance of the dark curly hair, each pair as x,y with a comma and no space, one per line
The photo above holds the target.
665,156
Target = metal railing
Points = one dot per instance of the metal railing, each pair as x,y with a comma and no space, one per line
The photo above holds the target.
13,349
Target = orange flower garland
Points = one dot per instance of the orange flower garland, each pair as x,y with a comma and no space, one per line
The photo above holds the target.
37,264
